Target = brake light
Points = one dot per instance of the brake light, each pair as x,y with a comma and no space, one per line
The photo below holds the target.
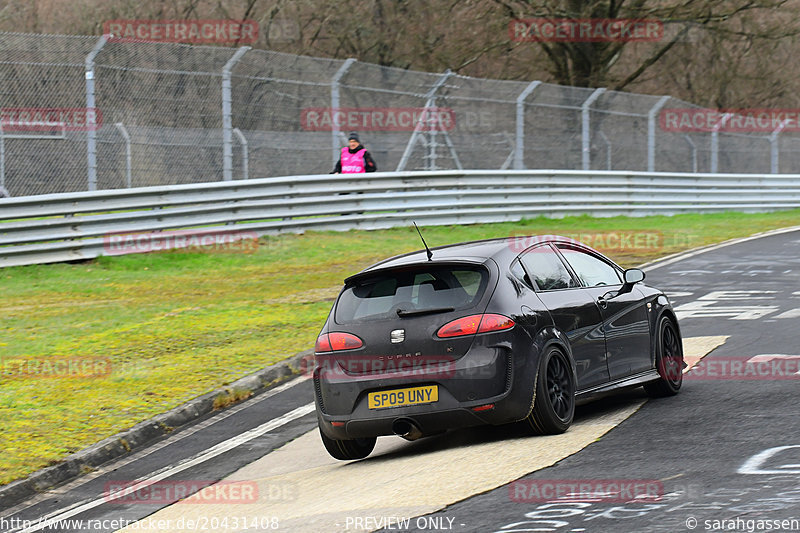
337,341
470,325
323,344
467,325
495,323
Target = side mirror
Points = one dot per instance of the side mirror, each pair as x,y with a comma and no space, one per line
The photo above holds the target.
633,276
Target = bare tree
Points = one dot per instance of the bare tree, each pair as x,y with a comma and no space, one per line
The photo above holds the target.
619,63
717,52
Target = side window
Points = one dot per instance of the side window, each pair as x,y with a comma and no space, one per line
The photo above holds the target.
591,270
546,269
519,272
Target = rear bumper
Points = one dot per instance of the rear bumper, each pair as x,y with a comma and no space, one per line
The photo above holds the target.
486,375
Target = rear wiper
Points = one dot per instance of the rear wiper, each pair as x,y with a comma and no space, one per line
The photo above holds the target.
429,311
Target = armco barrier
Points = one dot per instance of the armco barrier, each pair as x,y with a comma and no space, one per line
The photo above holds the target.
76,226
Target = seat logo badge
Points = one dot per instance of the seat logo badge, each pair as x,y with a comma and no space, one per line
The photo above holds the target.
398,335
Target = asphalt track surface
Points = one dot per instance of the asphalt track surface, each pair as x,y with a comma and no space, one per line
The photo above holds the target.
723,455
697,443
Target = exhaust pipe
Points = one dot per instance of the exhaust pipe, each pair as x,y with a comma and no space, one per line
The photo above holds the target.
403,427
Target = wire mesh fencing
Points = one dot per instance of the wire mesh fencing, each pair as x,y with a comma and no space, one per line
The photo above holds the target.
87,113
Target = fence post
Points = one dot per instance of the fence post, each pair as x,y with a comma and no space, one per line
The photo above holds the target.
2,159
519,153
227,134
585,130
608,148
91,134
715,142
430,99
335,143
124,132
691,143
245,153
773,148
651,133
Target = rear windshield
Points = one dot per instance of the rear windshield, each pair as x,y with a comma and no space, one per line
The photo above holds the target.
411,291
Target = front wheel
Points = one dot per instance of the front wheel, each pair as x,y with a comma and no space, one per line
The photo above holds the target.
554,403
348,449
669,361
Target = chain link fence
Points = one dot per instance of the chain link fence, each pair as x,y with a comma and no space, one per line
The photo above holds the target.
175,113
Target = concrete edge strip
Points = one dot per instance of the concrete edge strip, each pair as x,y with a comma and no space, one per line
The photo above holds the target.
144,433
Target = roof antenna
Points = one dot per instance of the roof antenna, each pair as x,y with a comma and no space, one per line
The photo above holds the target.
428,250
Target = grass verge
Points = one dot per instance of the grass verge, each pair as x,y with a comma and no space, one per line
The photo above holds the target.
148,332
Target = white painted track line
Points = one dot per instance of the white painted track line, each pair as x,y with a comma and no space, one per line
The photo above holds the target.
119,463
211,453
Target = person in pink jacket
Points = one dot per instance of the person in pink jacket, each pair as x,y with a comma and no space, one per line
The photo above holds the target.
355,158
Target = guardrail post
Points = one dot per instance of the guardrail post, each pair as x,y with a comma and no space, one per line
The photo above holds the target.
519,153
651,133
715,142
585,130
335,143
227,124
431,99
124,132
91,134
774,149
245,153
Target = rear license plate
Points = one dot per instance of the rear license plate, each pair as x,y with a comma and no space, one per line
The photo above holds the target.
401,397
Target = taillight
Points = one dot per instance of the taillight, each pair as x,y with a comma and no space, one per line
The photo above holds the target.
323,344
495,323
337,341
469,325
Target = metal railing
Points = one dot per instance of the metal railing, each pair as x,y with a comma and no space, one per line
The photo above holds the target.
174,113
84,225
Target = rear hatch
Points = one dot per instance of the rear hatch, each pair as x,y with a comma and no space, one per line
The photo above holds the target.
397,313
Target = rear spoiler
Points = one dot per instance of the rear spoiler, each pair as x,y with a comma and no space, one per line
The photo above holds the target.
357,279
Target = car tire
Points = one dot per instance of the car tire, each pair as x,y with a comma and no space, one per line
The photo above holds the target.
669,361
348,449
554,402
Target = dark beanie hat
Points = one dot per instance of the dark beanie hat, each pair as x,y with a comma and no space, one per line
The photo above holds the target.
353,137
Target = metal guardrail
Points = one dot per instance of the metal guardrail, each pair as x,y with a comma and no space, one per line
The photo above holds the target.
79,226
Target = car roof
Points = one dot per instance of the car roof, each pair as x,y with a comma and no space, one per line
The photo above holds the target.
503,250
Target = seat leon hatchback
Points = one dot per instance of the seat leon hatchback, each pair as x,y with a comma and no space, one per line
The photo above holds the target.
488,332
